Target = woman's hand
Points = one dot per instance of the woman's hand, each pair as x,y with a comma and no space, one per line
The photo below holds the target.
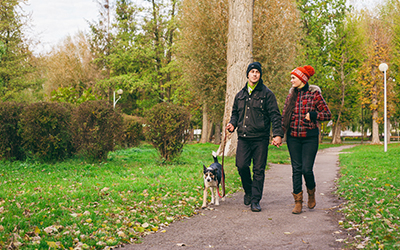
308,117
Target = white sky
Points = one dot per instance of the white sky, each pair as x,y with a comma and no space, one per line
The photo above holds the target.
53,20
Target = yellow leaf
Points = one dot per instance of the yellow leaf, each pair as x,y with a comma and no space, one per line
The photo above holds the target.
89,220
154,229
36,230
52,244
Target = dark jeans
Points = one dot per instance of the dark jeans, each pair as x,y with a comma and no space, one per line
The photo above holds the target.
302,152
256,150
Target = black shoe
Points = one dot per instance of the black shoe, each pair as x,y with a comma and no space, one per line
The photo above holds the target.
255,207
247,199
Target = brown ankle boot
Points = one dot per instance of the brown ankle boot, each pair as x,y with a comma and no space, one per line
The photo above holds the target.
298,202
311,198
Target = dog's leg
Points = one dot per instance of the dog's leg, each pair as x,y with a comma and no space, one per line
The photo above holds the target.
213,192
204,198
216,197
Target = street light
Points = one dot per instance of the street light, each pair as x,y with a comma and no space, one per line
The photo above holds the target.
119,92
384,67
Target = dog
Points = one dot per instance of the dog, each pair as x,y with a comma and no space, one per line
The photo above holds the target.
212,180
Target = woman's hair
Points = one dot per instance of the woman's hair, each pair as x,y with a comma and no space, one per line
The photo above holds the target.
290,108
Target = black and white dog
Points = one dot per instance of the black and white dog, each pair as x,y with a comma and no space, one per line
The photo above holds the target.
212,180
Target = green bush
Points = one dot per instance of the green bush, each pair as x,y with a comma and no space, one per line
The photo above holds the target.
96,128
10,140
133,131
45,131
168,129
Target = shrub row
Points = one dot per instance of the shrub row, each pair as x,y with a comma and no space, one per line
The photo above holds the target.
48,131
54,131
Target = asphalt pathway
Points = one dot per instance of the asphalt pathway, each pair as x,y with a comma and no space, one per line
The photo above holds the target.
232,225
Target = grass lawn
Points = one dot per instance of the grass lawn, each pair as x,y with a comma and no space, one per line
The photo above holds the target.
74,204
370,183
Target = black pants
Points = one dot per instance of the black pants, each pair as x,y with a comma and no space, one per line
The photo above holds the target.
302,152
256,150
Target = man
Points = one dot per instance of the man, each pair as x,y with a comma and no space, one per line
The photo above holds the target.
254,109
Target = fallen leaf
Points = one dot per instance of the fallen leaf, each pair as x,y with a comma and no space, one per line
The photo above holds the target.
52,244
1,228
181,244
122,234
50,230
287,233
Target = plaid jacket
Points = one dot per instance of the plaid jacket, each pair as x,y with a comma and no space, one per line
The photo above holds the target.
310,101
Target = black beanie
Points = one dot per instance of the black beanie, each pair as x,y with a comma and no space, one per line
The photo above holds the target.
254,65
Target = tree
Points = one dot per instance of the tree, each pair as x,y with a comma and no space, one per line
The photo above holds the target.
239,56
202,52
16,62
390,15
69,65
370,78
347,54
101,40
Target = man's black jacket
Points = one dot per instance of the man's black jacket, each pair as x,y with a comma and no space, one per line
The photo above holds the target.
253,114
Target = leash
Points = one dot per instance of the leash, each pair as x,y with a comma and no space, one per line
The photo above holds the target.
222,169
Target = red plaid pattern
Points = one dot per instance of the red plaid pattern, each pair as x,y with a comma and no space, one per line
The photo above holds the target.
307,101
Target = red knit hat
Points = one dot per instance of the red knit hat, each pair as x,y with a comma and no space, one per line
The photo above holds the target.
304,73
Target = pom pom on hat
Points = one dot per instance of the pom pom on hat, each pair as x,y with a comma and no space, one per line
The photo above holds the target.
304,73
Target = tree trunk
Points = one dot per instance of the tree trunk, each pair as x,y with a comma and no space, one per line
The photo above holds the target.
205,129
217,139
239,56
337,128
375,125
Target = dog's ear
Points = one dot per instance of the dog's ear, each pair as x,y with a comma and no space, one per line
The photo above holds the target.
204,169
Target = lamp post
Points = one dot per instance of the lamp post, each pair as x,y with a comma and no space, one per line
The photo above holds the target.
119,92
384,67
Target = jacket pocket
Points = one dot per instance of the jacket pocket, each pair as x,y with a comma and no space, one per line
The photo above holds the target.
241,103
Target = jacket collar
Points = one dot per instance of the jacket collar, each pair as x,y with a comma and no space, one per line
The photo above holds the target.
257,88
305,88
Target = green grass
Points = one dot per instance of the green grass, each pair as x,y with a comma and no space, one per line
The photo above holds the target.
74,203
370,183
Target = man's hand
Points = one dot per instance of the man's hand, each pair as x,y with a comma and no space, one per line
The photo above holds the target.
277,141
230,127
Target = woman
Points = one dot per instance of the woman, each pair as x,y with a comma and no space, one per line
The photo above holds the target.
304,107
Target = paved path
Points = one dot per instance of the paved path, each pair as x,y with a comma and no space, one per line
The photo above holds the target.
233,226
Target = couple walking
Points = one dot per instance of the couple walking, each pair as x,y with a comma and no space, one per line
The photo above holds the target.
255,109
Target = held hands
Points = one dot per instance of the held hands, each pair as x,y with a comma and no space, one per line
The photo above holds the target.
277,141
308,117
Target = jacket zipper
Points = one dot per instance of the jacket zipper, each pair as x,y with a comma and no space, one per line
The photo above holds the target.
245,112
298,126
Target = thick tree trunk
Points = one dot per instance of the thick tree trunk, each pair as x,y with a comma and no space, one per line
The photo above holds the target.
336,139
239,56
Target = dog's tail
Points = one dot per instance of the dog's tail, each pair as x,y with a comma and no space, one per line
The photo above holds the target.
214,154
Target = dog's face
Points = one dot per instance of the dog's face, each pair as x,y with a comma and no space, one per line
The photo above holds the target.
209,174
